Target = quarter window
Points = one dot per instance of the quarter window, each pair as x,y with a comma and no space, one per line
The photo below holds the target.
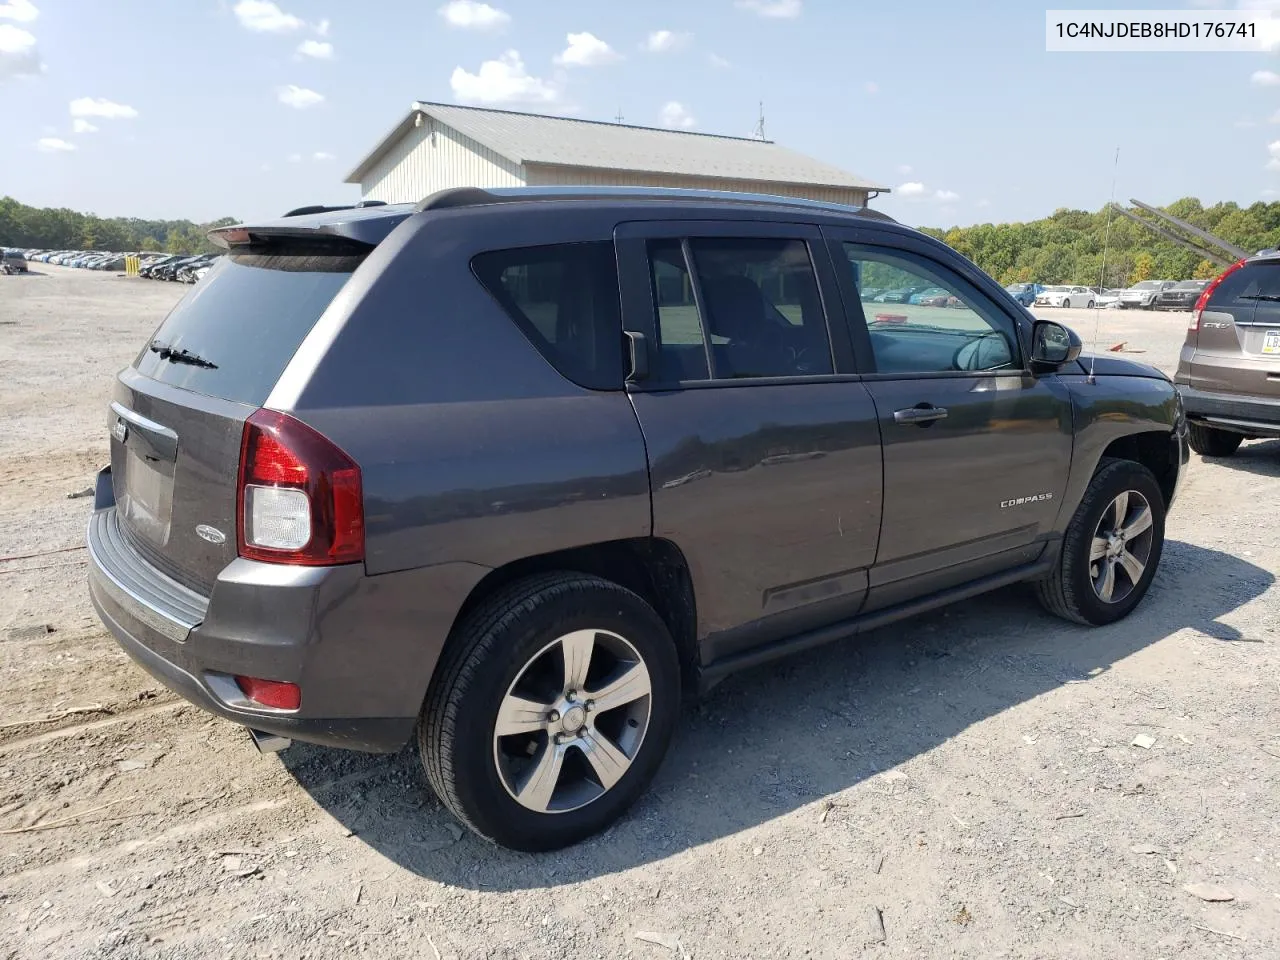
734,308
565,299
923,319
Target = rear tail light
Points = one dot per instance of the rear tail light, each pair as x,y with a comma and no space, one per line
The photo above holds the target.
1203,300
299,497
271,693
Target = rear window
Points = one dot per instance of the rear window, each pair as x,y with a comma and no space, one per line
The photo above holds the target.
235,332
1246,285
564,297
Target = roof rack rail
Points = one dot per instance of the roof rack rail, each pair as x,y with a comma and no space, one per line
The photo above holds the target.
370,203
475,196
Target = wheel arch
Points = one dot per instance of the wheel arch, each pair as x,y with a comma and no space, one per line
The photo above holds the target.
1151,449
651,567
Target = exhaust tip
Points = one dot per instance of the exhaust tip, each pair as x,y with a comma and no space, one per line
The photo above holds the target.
269,742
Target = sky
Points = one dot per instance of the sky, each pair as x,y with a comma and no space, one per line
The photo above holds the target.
208,108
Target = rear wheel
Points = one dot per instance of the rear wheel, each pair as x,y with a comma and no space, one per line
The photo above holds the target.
1089,305
551,712
1066,304
1209,442
1111,549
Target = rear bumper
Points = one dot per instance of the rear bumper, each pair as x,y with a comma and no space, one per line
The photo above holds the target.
362,649
1257,416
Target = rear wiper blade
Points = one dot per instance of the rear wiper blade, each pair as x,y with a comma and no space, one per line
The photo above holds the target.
166,352
1261,296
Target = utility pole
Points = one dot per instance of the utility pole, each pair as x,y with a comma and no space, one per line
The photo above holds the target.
759,131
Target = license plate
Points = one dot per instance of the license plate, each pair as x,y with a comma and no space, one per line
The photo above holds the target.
1271,341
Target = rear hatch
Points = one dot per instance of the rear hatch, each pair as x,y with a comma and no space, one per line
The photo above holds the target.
1238,342
177,417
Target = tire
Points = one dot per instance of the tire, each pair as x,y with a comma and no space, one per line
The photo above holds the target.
1089,305
516,643
1066,304
1209,442
1072,590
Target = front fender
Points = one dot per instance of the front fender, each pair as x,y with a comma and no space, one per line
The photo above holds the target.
1109,408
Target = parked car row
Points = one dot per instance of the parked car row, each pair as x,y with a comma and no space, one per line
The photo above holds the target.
180,267
1144,295
85,259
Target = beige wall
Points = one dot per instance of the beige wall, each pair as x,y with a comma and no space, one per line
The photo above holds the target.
417,166
546,175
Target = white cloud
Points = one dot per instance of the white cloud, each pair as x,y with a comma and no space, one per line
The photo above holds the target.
471,15
322,28
54,145
664,41
675,114
316,49
904,168
586,50
912,188
24,11
504,80
294,158
1265,78
946,196
718,61
1273,148
80,125
320,156
780,9
100,107
18,54
871,86
292,95
263,16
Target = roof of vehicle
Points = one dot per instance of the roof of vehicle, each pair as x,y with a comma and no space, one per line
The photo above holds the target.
522,138
370,224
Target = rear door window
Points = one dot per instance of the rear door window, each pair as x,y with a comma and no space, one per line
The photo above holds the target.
750,306
236,331
564,297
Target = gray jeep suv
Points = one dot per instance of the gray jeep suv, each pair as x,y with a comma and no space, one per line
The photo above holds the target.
511,471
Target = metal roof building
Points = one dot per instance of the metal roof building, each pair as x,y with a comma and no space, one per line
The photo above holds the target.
439,146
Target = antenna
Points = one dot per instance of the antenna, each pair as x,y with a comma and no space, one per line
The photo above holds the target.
618,118
1102,281
758,133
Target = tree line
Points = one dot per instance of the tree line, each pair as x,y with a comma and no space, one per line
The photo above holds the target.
1067,247
51,228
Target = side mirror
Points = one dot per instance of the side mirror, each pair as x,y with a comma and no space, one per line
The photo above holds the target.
1053,345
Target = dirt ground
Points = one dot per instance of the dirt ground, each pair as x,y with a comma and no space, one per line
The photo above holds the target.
962,785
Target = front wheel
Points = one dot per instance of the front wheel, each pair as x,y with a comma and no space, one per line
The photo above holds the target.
1209,442
551,711
1066,304
1111,549
1089,305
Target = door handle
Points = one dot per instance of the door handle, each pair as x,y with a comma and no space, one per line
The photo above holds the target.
922,414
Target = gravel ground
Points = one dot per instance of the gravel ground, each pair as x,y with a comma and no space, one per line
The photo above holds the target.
965,784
